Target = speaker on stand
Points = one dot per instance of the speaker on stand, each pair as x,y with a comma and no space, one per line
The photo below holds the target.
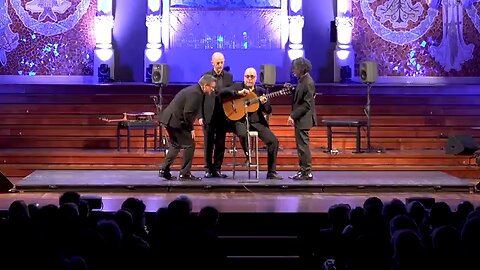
160,77
268,79
368,75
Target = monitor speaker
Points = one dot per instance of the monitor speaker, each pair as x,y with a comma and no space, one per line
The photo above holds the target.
160,74
368,72
5,184
268,74
461,145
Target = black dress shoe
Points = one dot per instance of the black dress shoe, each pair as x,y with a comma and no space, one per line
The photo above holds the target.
218,174
295,175
303,176
274,176
188,177
208,175
166,175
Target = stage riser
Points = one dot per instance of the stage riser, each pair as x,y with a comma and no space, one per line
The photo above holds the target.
347,144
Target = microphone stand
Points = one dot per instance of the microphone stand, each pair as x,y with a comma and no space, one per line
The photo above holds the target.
162,146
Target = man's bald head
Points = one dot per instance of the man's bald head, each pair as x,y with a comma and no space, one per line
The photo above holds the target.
218,61
250,77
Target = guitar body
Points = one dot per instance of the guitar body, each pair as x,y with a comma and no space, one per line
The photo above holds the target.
235,108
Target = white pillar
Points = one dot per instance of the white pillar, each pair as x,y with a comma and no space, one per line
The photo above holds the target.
343,55
153,21
296,23
103,37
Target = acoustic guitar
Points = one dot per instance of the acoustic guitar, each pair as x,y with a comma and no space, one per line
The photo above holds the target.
236,108
137,116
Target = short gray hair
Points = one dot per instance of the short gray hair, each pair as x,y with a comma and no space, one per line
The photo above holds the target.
206,79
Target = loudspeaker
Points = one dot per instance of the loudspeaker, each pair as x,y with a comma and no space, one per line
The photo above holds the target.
268,74
5,184
368,72
461,145
160,74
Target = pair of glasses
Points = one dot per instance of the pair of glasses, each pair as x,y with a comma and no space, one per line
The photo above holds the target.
249,76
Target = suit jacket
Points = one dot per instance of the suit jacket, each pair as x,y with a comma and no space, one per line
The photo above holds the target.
255,117
224,80
184,109
303,107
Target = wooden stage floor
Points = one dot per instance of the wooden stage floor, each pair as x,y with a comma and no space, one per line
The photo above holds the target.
324,181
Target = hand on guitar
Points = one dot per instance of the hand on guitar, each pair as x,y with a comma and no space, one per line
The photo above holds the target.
290,121
244,92
200,121
193,135
263,99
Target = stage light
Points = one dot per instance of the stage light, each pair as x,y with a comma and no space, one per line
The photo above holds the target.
477,187
153,55
104,73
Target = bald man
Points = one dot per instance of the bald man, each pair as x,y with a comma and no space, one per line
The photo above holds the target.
256,120
214,120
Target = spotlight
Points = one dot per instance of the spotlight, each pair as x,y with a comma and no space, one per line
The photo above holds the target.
104,73
477,187
345,74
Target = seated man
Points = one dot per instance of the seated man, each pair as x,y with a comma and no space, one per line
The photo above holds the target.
256,119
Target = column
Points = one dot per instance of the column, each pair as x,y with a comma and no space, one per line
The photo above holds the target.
343,54
153,50
103,37
295,27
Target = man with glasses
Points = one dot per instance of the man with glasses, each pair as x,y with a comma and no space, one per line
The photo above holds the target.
178,119
214,121
256,120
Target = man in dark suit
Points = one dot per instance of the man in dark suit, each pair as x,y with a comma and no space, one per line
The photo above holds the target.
213,120
256,120
178,119
303,116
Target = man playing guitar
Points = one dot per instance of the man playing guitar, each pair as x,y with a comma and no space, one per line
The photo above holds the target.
257,121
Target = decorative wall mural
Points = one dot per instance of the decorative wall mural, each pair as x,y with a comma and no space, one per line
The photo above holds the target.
418,37
47,37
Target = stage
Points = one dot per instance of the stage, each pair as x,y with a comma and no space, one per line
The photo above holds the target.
324,182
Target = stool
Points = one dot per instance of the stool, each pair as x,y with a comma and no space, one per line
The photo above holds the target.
253,146
144,125
344,123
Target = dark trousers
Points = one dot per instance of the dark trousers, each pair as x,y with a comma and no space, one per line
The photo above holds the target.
302,139
179,139
267,137
214,145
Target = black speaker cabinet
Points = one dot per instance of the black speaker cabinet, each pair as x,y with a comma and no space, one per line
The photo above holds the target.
5,184
461,145
160,74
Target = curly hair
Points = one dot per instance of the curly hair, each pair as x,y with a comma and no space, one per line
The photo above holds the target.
302,64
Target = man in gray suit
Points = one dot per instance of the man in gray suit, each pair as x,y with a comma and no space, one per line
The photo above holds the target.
178,119
303,116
